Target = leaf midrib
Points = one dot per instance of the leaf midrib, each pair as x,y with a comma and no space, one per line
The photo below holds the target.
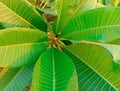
12,78
54,72
103,45
77,7
93,69
24,44
90,29
59,17
98,43
18,15
3,72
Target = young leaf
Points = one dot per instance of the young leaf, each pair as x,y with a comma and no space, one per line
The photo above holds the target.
20,13
12,79
54,71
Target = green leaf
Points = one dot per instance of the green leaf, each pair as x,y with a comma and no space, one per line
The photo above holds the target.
19,13
15,79
99,5
88,79
100,67
46,11
66,9
98,25
113,49
116,42
49,11
21,46
12,36
54,71
63,8
84,5
106,2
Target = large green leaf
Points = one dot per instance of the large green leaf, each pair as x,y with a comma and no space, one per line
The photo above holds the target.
16,13
15,79
67,8
12,36
21,46
54,71
64,11
113,49
98,24
98,67
88,79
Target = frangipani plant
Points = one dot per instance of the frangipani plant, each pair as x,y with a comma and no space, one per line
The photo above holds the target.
80,52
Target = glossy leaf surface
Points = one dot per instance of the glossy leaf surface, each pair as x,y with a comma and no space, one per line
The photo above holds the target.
96,25
21,46
99,67
13,14
54,71
12,79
